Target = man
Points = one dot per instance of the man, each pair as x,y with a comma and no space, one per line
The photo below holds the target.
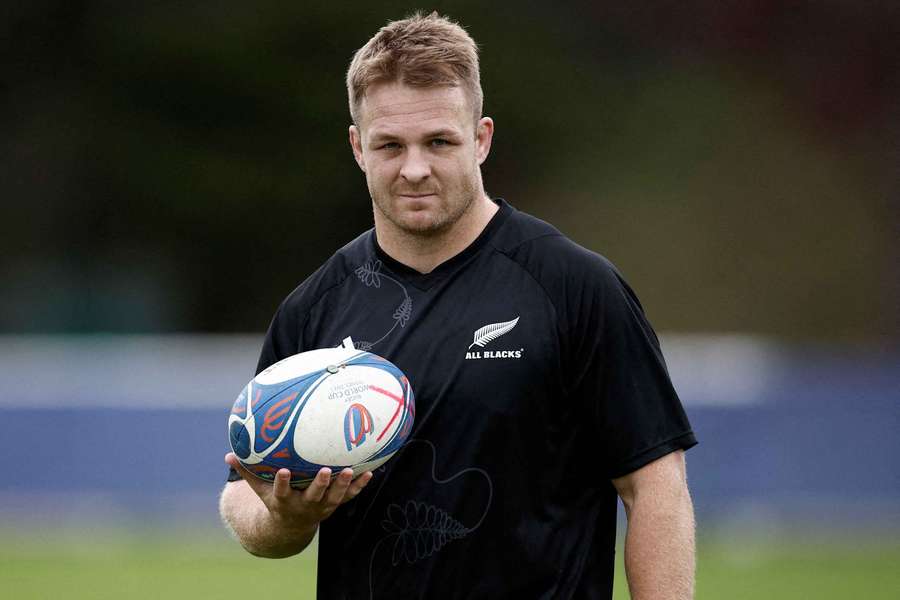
541,392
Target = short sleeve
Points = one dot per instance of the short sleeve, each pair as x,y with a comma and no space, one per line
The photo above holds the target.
282,338
617,368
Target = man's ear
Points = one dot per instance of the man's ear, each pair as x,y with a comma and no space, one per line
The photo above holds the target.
356,146
484,134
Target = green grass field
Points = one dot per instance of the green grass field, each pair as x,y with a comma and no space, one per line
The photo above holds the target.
101,565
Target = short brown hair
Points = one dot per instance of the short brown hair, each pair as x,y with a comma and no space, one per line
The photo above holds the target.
419,51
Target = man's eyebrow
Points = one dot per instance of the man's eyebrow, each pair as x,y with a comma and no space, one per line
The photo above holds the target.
437,133
381,135
442,133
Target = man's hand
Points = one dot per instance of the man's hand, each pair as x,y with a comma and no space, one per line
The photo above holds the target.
295,509
276,520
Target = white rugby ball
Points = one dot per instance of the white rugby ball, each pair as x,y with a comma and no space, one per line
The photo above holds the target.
333,407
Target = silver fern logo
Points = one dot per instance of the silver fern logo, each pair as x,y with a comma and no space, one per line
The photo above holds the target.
487,334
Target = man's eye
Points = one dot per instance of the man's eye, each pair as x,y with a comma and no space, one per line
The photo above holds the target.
390,146
439,142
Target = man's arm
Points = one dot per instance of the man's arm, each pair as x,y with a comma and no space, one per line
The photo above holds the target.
273,520
659,543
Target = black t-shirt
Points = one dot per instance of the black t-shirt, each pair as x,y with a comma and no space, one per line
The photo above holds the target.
537,380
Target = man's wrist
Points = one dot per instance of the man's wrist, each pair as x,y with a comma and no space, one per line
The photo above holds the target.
291,526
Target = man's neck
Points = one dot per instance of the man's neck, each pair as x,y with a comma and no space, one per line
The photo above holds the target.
425,253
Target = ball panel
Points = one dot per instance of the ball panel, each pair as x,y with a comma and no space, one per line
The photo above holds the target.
407,417
240,406
271,419
240,439
349,417
275,408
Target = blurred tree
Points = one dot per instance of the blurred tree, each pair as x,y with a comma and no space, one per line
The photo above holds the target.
182,167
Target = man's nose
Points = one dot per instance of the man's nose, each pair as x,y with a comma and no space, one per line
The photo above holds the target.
415,166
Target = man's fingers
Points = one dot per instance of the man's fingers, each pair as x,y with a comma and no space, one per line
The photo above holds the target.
323,490
316,490
339,487
357,485
281,488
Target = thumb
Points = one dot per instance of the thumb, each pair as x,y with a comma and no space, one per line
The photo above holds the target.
261,487
235,463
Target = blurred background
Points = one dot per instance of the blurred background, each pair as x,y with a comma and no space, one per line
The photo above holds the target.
169,171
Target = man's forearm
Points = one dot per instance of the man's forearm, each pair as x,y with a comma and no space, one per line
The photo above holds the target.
660,547
253,525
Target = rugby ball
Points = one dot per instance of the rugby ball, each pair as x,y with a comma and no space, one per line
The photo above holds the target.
334,407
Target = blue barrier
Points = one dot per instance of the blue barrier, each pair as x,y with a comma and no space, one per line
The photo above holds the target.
818,439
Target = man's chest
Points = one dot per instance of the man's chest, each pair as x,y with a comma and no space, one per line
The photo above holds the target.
486,339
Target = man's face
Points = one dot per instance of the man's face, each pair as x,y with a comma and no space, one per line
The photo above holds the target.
420,151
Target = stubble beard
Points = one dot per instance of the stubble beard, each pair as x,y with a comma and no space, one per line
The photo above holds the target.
460,202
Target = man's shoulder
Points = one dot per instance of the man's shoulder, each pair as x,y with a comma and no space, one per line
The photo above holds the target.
331,274
576,280
547,253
